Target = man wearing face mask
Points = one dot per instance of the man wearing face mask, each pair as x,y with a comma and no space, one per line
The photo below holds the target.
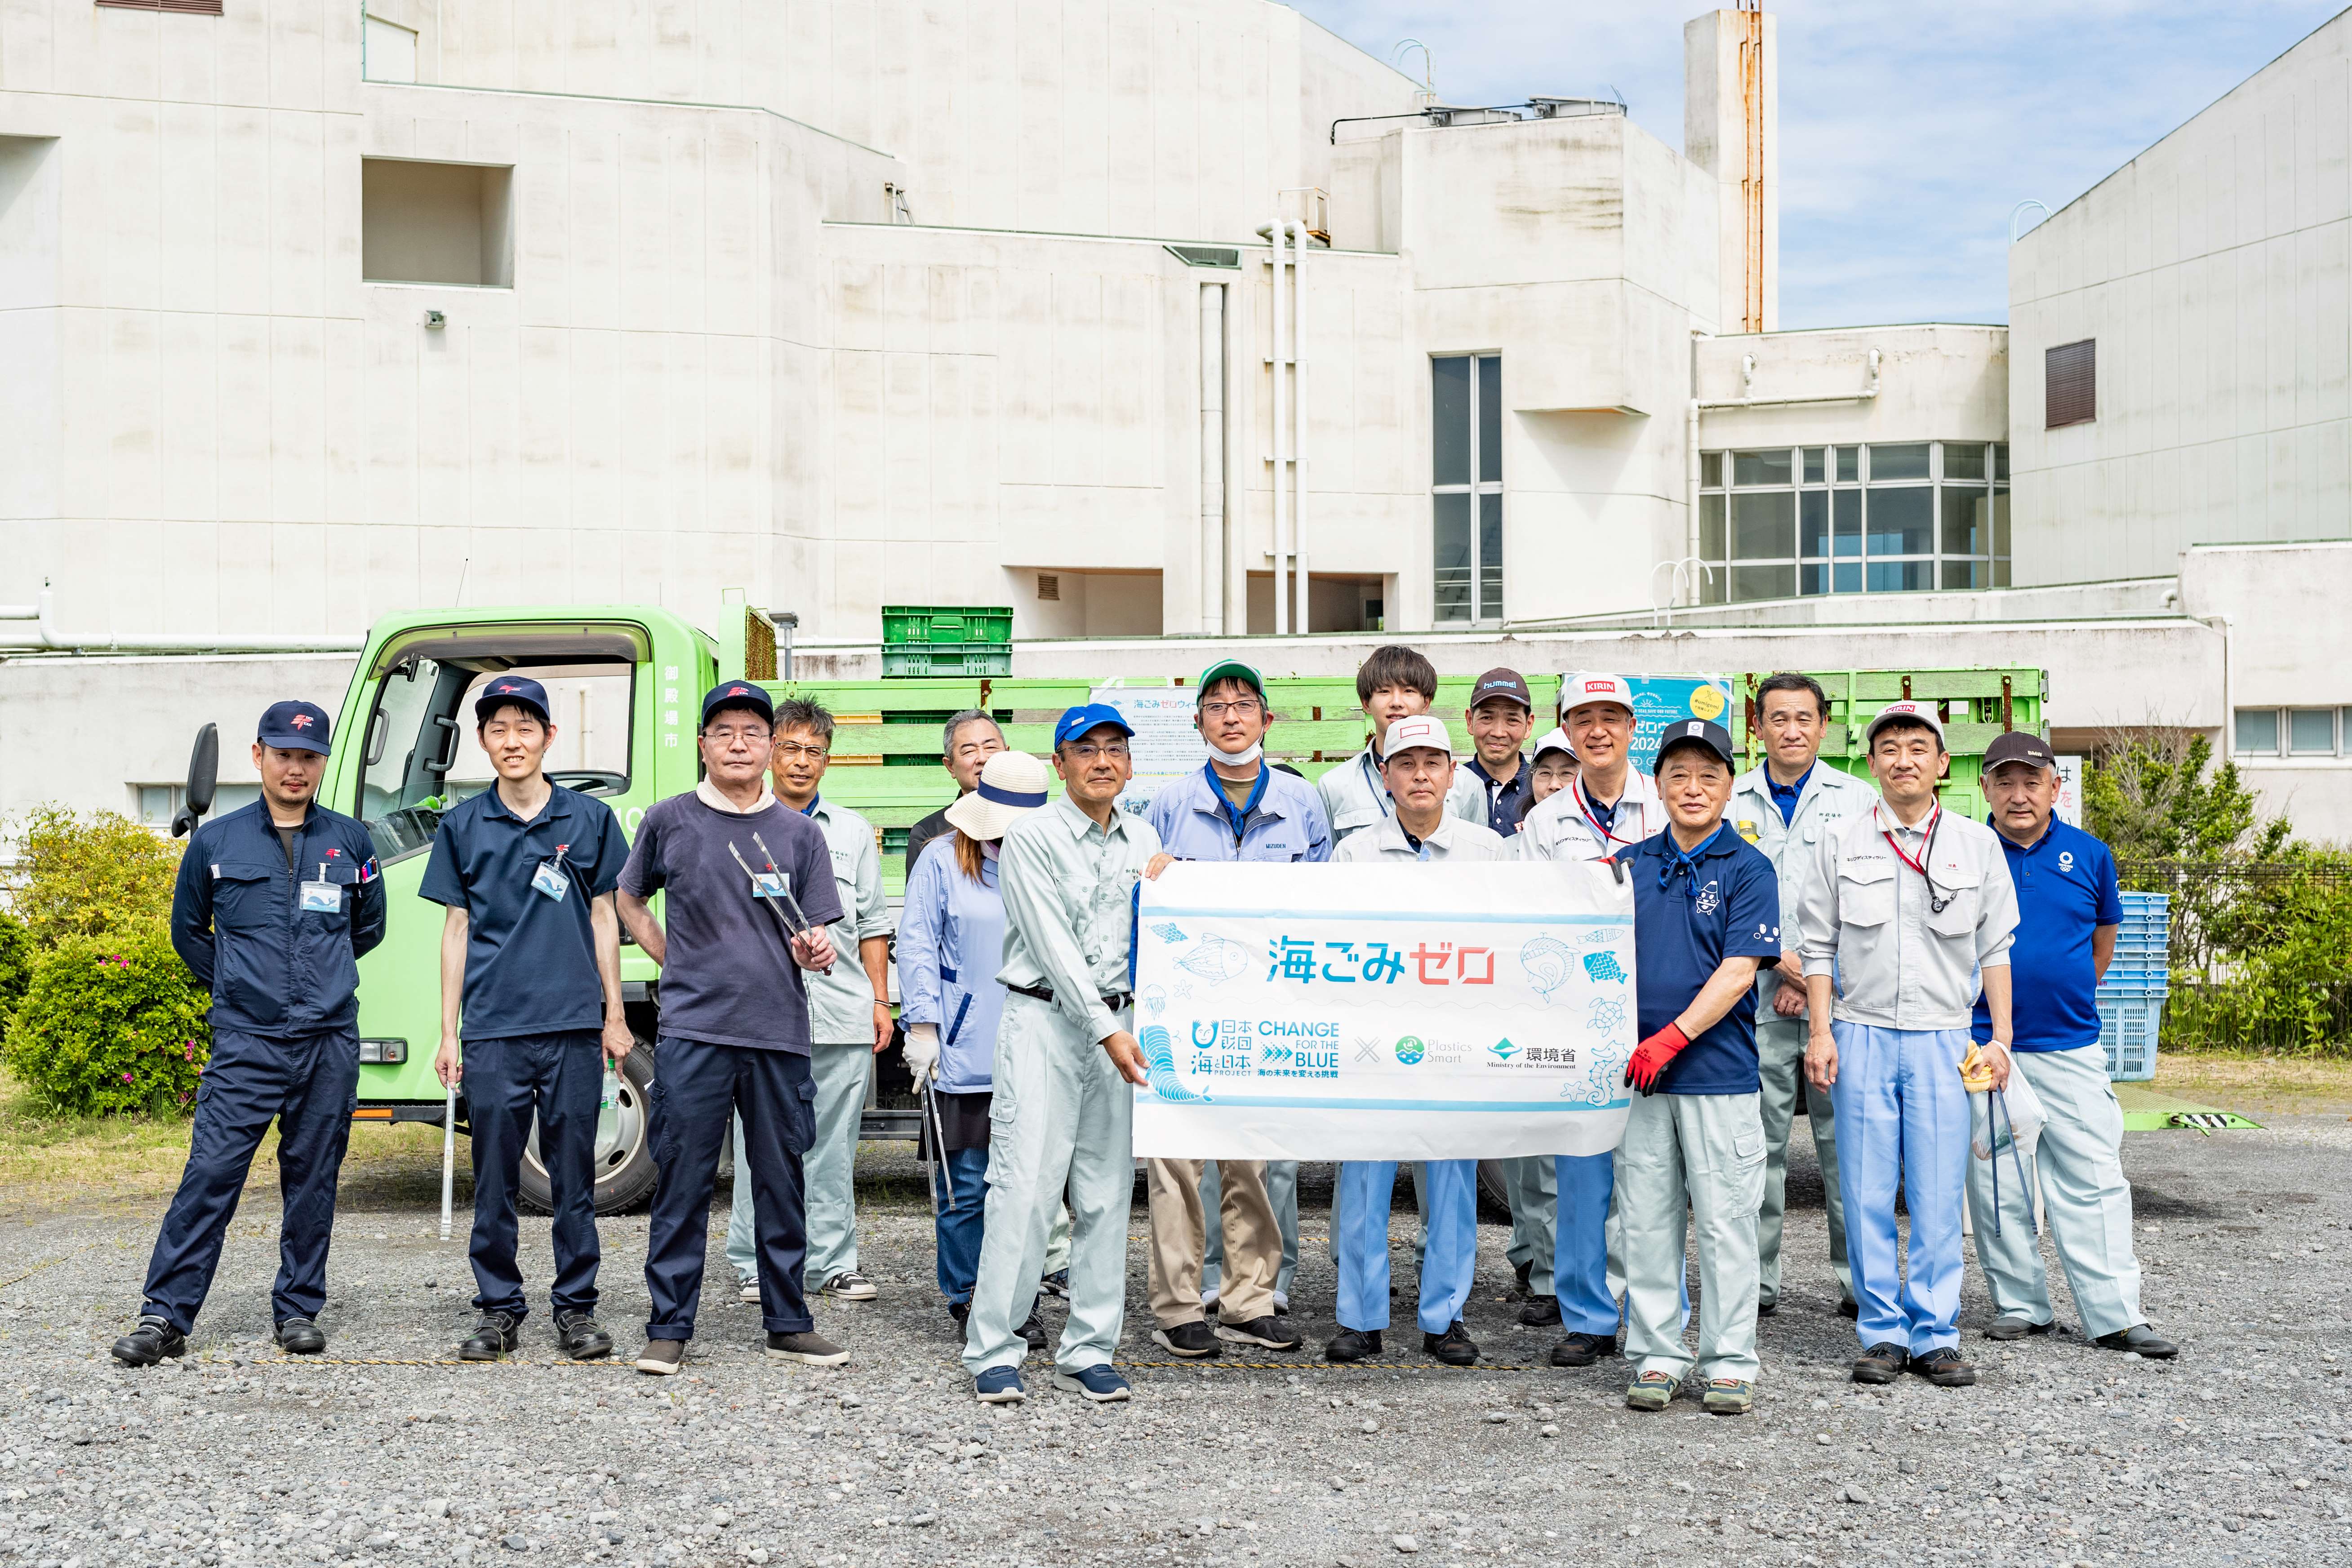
1237,807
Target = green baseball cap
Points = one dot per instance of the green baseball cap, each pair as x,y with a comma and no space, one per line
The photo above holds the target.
1232,670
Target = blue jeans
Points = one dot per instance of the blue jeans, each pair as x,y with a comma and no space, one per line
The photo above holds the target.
958,1230
308,1084
558,1078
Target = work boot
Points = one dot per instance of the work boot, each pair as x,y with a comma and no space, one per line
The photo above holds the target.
1583,1350
1651,1392
1033,1330
494,1338
2141,1339
1729,1396
1880,1363
1765,1309
1455,1347
2015,1328
579,1337
1352,1345
1944,1368
1195,1340
1541,1312
300,1336
1523,1272
809,1349
1272,1334
153,1341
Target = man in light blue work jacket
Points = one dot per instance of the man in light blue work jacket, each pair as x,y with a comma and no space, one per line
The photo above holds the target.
1239,806
1784,808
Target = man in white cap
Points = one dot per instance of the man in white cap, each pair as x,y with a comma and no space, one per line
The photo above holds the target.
1908,914
1417,769
1608,807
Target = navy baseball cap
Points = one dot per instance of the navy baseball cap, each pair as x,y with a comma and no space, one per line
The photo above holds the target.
739,694
1704,733
294,727
519,690
1093,715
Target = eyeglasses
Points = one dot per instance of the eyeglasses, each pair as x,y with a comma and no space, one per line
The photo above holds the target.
786,750
1087,752
1241,709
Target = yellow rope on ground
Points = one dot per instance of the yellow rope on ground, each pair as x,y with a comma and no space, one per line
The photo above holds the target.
1219,1365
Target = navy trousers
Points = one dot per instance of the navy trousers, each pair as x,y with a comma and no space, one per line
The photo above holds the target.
699,1087
557,1078
308,1085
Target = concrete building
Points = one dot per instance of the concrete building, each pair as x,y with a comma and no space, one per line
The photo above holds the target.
1152,319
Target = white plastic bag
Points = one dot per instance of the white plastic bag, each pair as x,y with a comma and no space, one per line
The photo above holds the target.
1999,1118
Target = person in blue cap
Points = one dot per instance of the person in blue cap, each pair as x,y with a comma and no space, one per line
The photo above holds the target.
1062,1115
275,904
531,1007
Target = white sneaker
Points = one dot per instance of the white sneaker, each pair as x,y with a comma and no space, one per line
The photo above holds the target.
1281,1305
850,1286
749,1290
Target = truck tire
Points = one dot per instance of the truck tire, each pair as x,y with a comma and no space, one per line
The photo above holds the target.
625,1153
1493,1195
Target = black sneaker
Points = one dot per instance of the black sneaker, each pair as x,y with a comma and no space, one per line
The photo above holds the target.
1848,1308
1353,1344
1524,1271
300,1336
1583,1350
1881,1364
1455,1347
961,1312
2139,1339
579,1338
1031,1329
1272,1334
1541,1312
1057,1283
1193,1341
153,1341
2016,1328
494,1338
1945,1368
1765,1309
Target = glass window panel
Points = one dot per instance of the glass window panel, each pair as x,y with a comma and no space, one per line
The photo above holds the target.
2311,733
1965,529
1449,428
1849,576
1964,460
1902,522
1817,465
1847,505
1908,460
1450,554
2258,730
1812,579
1490,558
156,804
1770,467
1814,522
1710,528
1763,581
1901,576
1961,574
2000,460
1710,470
1712,582
1848,464
1764,527
1490,419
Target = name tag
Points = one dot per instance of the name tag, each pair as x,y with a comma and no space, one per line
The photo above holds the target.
551,881
770,885
322,899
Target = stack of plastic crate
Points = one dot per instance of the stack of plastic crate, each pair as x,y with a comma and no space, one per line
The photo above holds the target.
2131,997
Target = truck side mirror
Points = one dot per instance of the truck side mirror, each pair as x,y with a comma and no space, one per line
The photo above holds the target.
203,780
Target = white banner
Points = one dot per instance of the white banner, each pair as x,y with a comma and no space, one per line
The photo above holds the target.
1393,1011
1165,745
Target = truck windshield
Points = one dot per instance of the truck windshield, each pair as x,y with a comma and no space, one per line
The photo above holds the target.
421,757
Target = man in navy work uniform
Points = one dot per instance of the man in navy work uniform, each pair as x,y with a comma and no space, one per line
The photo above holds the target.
532,948
1707,916
275,904
2068,910
734,1021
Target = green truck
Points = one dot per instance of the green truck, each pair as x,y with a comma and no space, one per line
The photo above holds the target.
624,681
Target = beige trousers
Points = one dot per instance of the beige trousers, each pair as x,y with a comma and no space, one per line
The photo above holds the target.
1180,1236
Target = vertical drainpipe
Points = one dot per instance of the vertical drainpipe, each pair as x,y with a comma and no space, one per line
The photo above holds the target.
1212,459
1281,408
1298,421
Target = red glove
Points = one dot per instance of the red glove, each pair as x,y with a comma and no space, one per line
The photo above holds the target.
1651,1056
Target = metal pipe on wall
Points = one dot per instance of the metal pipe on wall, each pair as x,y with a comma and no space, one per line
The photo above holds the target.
1300,618
1212,459
1281,471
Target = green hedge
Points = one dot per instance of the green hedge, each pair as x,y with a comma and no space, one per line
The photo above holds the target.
111,1023
18,953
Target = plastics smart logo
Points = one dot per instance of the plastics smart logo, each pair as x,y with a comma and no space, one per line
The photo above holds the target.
1410,1050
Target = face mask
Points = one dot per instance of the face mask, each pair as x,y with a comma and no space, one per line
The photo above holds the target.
1240,759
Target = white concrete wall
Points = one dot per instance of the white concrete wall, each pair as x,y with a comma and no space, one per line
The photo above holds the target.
2215,272
1936,383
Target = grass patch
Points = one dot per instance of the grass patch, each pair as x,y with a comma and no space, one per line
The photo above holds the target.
2254,1084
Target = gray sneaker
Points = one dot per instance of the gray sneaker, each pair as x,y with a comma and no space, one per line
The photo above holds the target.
849,1285
810,1349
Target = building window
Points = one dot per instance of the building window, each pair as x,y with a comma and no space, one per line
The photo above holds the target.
2311,732
2070,384
2257,732
184,8
1465,400
436,223
155,805
1889,518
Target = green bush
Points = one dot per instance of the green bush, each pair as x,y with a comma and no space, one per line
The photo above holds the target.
17,956
80,876
111,1023
2273,974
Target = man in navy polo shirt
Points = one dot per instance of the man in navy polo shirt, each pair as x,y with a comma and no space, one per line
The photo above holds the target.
531,987
2068,910
1707,916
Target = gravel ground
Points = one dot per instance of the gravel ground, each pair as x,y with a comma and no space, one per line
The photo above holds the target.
2064,1453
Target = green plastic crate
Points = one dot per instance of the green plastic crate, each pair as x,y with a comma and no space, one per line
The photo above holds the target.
952,623
900,660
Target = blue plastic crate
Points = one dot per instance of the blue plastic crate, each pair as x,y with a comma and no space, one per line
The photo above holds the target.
2129,1020
2141,975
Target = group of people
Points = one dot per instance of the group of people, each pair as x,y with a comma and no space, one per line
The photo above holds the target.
1797,934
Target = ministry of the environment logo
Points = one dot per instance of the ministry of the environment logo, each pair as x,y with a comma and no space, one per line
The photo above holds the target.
1409,1049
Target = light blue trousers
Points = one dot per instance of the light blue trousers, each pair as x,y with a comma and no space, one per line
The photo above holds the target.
1362,1231
1533,1183
1282,1192
1588,1250
1691,1162
1903,1122
2085,1199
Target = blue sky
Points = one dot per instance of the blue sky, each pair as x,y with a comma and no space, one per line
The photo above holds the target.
1907,131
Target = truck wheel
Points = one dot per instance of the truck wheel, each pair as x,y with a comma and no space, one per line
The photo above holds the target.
625,1153
1494,1195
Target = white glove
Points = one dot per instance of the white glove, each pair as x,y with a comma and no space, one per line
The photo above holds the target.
922,1052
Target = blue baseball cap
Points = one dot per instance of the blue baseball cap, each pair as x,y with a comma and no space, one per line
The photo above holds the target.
294,727
748,694
519,690
1091,716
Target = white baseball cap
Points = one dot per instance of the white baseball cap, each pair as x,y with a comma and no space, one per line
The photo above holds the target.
1592,686
1415,729
1556,741
1910,711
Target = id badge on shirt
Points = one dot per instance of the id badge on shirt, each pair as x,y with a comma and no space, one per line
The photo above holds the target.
770,885
551,881
322,897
